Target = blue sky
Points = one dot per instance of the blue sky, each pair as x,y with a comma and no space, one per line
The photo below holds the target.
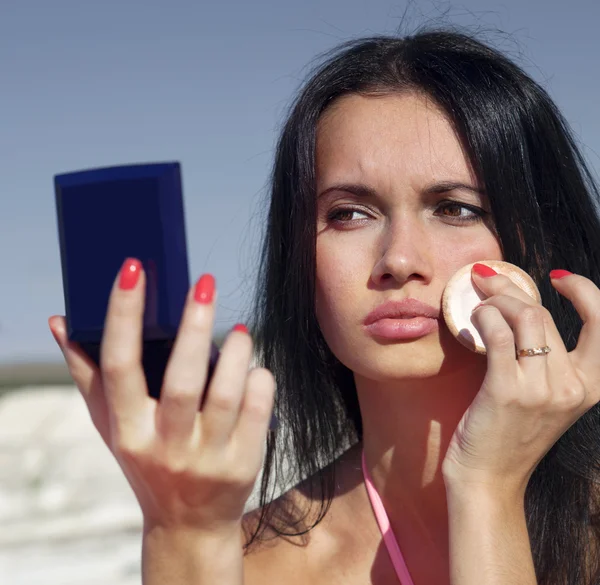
89,83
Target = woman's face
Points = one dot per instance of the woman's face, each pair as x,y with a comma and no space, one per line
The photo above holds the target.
399,212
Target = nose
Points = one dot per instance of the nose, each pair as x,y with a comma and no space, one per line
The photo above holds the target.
404,253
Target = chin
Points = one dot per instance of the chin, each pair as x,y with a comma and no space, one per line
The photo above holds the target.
417,359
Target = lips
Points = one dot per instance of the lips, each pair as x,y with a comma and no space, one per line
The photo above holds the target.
404,309
402,320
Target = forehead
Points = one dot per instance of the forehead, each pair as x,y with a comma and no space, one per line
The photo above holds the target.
360,137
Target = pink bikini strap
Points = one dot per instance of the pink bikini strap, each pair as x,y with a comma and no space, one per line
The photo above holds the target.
386,530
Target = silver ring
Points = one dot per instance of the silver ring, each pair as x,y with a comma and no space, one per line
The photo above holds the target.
533,351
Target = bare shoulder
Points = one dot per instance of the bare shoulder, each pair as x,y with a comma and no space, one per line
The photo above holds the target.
325,552
274,555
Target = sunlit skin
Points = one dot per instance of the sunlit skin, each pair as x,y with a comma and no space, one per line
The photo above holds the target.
406,238
400,211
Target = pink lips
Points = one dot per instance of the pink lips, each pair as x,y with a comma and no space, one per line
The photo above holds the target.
406,319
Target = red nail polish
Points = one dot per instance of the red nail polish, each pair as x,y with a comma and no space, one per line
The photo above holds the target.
483,270
558,274
205,289
240,327
130,274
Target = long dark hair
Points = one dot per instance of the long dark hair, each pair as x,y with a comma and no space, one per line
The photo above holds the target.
545,206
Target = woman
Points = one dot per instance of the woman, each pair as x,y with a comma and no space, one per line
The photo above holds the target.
402,160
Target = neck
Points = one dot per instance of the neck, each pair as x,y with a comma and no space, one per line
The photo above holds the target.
407,426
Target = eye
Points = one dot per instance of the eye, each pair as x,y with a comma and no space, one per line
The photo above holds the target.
343,214
455,212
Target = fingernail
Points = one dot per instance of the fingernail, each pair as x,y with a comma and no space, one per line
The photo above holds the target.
130,274
558,274
205,289
240,327
483,270
477,307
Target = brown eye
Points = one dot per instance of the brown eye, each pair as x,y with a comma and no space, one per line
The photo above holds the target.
343,214
456,212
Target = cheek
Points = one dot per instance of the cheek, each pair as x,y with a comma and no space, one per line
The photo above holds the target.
340,277
451,257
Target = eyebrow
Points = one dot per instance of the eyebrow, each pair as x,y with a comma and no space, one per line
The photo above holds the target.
363,191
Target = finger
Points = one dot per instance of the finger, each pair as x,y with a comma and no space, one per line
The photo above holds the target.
253,422
85,374
498,339
226,389
585,296
528,324
121,347
500,284
187,370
